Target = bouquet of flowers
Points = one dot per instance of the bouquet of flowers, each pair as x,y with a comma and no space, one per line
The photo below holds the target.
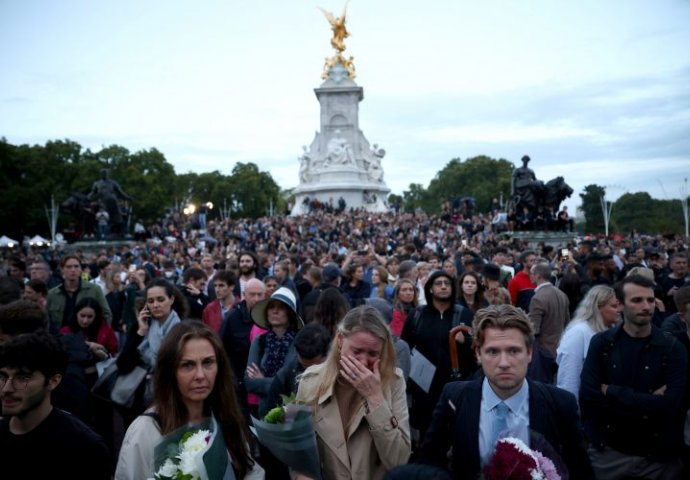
193,452
288,433
513,459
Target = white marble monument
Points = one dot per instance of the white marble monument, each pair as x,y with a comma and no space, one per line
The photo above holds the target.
340,164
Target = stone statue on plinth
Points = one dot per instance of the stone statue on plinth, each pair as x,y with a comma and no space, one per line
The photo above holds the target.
535,202
108,193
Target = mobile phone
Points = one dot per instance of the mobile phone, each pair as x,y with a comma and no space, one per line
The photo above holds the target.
464,242
565,253
132,268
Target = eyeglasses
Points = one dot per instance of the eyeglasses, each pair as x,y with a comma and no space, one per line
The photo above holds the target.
439,283
18,382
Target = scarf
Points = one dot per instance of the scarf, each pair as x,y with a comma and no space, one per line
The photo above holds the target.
276,351
148,349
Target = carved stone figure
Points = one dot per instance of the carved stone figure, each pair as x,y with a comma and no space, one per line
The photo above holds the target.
338,152
304,166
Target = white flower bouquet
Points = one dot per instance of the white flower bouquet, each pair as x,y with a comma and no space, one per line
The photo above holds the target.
193,452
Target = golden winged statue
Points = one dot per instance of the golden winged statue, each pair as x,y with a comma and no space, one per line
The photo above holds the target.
340,32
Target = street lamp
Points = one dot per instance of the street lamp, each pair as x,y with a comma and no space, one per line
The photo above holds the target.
189,209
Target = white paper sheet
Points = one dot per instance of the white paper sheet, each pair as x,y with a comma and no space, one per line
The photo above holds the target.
422,370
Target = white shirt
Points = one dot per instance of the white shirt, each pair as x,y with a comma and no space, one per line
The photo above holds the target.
570,355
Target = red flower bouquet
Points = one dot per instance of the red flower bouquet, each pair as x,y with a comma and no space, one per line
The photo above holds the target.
514,460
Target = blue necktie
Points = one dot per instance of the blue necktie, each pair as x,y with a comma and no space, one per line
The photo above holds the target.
500,422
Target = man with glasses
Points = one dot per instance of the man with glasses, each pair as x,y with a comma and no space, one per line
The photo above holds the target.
426,332
36,439
40,270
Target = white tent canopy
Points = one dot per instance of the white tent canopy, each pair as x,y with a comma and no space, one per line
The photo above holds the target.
38,240
6,241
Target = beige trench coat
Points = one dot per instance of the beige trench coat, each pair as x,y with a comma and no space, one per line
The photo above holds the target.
376,441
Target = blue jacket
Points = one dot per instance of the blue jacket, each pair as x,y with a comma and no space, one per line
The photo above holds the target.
630,418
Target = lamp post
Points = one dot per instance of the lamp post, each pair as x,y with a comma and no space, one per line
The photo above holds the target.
606,208
684,204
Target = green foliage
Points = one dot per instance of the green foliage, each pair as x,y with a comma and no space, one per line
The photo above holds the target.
639,211
632,211
481,177
591,208
412,198
29,175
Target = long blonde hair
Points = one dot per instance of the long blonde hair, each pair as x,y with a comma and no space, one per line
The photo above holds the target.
588,309
360,319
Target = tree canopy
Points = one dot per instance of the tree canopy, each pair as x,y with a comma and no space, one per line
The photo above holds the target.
29,175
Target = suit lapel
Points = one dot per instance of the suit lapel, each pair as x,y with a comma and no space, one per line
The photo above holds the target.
538,409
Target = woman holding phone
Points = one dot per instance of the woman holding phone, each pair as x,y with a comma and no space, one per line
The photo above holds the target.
164,308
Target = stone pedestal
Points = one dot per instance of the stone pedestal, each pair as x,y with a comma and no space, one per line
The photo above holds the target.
340,163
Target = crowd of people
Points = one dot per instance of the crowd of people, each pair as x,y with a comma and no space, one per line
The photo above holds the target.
369,319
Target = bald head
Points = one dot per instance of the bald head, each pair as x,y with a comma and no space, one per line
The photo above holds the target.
254,292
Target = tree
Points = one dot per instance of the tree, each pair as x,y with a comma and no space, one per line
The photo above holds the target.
413,197
481,177
591,208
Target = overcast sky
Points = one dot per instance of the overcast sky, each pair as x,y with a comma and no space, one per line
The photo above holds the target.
596,91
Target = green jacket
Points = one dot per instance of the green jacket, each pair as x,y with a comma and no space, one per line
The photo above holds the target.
57,297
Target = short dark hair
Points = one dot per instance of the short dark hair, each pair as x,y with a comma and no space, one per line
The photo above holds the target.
525,254
70,256
312,340
38,286
193,273
682,298
226,276
37,351
22,316
635,279
10,290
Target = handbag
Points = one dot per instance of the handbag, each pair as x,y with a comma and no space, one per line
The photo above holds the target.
120,389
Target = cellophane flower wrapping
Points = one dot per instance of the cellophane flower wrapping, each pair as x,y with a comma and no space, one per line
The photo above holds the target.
293,442
193,452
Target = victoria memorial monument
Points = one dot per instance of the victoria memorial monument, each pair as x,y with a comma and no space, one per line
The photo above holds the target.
340,167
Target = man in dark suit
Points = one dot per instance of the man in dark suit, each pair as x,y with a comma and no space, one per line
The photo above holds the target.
471,416
549,311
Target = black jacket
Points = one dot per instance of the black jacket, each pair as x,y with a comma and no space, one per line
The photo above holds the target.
630,418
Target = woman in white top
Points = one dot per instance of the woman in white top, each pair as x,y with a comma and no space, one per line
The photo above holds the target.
598,311
193,382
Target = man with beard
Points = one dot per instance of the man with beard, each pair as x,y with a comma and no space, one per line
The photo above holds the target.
426,332
633,382
235,334
591,275
249,265
36,439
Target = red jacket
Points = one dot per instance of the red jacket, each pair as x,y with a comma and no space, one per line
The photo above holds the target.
519,282
213,315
